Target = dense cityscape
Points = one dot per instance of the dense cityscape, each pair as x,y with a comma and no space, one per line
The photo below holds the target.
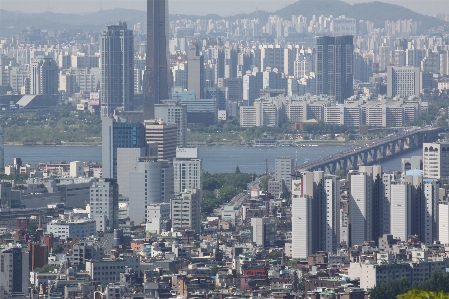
323,102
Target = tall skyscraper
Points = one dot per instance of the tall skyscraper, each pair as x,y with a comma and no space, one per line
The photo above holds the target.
334,69
156,73
44,74
195,72
117,68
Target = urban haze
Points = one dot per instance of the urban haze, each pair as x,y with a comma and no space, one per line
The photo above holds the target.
212,149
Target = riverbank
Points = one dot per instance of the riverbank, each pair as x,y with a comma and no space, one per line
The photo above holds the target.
55,144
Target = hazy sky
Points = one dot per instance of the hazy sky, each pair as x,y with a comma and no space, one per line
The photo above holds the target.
222,7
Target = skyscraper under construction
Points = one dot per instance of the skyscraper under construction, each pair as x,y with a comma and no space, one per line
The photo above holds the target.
156,73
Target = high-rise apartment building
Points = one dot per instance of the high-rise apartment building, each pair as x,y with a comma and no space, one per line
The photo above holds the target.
165,135
44,75
195,61
117,68
379,210
334,66
187,170
331,233
436,160
429,211
301,222
186,210
316,212
360,207
156,73
443,222
403,81
2,148
401,210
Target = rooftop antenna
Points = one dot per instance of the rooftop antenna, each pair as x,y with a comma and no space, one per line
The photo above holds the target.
267,195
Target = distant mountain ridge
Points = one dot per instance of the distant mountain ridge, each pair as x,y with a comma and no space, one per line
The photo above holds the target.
376,12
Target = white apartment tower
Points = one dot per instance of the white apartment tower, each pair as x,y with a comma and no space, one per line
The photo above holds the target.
443,222
401,210
301,222
332,227
436,160
360,208
187,171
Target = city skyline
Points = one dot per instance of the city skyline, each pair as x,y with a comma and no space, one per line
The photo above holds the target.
201,7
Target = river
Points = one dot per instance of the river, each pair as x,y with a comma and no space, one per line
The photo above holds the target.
215,158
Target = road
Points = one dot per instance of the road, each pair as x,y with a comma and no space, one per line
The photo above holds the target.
238,200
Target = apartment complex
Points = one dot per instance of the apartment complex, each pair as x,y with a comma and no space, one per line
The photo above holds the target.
354,112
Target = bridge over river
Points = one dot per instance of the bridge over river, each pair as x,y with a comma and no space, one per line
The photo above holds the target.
373,152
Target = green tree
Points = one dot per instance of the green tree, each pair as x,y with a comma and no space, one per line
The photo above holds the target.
275,254
285,195
237,169
263,182
390,290
420,294
32,227
57,249
45,268
341,173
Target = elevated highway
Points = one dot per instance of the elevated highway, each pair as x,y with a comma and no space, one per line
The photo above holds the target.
373,152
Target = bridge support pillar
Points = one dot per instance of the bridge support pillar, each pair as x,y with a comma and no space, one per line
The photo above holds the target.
359,160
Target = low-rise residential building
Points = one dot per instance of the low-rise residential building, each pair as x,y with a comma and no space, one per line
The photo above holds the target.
72,228
108,270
